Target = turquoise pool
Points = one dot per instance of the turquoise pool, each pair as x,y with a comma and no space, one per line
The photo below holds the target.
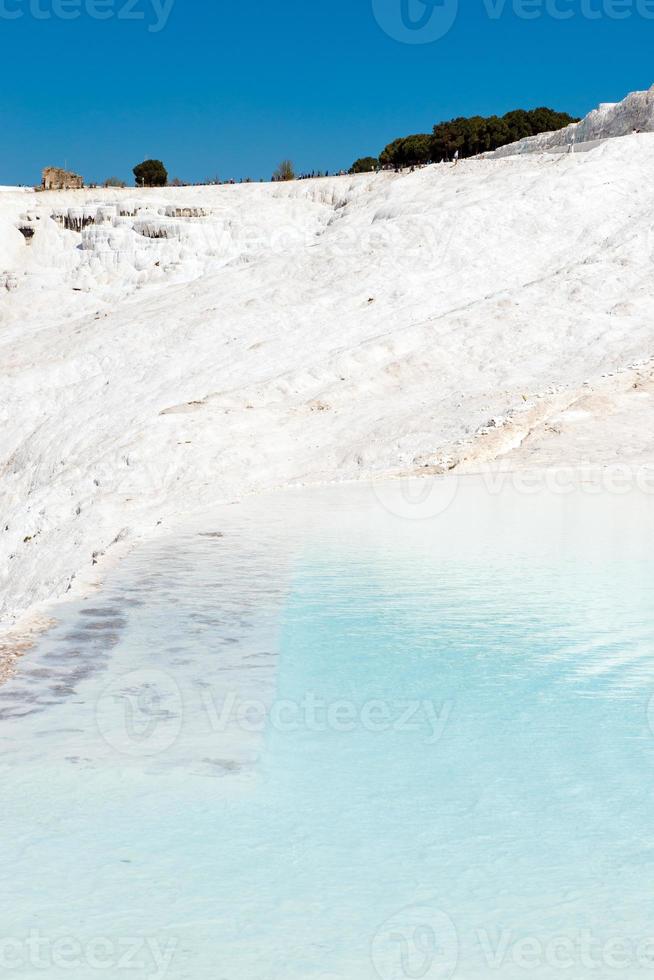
344,734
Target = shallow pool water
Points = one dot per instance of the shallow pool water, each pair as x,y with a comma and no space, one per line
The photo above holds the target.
353,733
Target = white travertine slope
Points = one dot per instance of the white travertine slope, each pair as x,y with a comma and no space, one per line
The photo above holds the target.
635,113
333,329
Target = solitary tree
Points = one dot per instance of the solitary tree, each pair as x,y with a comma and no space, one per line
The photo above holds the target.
364,165
151,173
285,171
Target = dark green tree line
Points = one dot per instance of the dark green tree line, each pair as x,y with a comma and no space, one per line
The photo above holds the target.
471,135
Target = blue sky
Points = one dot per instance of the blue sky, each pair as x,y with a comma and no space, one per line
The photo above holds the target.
230,87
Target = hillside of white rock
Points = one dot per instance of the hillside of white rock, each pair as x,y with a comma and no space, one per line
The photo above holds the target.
162,350
635,114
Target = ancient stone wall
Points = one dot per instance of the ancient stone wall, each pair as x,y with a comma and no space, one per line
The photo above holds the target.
55,179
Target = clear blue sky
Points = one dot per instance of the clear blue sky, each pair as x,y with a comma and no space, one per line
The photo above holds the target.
229,87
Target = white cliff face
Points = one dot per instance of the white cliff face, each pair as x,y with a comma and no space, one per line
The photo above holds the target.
635,113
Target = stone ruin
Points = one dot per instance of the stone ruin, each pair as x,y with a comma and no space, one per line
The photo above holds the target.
55,179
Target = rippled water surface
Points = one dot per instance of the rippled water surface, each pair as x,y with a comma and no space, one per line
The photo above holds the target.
344,733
